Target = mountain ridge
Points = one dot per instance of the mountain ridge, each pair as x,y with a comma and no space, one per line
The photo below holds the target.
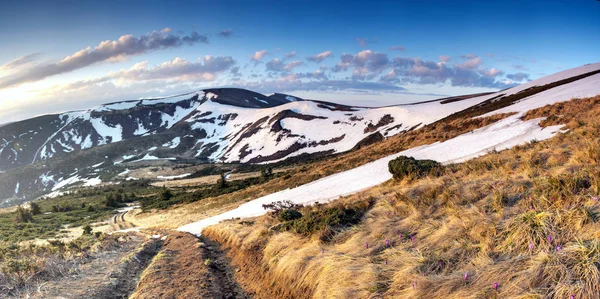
222,125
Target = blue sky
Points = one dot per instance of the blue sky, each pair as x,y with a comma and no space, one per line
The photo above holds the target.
371,53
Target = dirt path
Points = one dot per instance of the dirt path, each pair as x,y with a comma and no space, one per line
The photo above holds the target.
189,267
110,273
221,270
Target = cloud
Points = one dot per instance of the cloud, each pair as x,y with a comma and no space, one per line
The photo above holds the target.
493,72
320,57
362,41
235,71
520,67
290,55
467,74
125,46
398,48
226,33
292,65
366,64
178,69
468,56
275,65
444,58
294,83
518,77
472,63
19,62
258,55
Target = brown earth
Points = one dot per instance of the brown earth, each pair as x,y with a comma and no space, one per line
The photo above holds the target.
189,267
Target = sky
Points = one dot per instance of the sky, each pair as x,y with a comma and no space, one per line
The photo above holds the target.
58,56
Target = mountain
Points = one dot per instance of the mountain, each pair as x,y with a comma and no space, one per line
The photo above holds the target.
47,153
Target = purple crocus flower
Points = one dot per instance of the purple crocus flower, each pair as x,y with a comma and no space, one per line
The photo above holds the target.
558,248
386,262
367,245
530,246
414,284
412,238
549,238
387,243
466,276
322,251
572,296
496,285
595,198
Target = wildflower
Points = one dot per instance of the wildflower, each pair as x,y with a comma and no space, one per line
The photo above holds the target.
412,238
558,248
572,296
595,198
387,243
414,284
386,262
496,285
367,245
530,246
322,251
549,238
466,276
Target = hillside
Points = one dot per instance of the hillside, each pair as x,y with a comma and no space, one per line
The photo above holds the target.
518,223
231,126
510,212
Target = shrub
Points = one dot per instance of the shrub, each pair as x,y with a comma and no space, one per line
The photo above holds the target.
166,194
403,166
279,206
289,214
111,201
87,229
35,209
23,215
328,220
222,182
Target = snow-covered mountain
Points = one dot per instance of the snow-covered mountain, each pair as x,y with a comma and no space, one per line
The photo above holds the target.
234,125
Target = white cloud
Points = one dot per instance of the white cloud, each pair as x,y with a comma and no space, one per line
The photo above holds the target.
320,57
259,55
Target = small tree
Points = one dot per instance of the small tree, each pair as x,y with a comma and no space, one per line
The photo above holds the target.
87,229
222,182
166,194
111,201
35,209
23,215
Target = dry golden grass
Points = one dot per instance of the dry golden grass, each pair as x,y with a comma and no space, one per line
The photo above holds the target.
525,218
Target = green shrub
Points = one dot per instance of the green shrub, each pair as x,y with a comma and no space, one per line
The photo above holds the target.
35,209
87,229
166,194
327,220
289,214
23,215
403,166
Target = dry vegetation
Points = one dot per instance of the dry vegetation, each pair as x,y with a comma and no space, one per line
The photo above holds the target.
521,223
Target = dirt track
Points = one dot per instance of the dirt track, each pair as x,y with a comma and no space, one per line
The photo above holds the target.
189,267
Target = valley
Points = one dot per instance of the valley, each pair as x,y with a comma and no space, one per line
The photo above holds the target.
206,218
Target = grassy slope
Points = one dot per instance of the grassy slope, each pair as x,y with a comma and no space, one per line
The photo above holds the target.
500,219
306,173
